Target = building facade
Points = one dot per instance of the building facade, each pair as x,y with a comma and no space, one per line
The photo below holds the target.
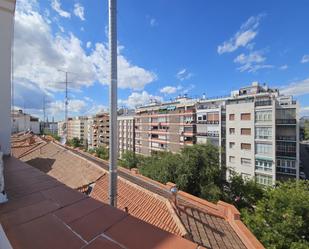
24,122
77,128
99,130
126,133
262,134
165,126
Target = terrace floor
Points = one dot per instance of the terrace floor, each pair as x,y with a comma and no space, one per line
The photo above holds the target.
44,213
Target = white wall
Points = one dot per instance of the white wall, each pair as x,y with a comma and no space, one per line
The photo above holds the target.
6,36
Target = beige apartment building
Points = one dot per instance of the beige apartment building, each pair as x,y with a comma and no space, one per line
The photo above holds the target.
262,134
126,133
77,128
165,126
98,130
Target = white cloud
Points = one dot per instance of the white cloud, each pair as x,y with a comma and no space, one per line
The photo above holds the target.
284,67
153,22
168,90
139,99
56,5
183,74
248,31
251,62
296,88
33,36
75,107
305,58
79,11
88,45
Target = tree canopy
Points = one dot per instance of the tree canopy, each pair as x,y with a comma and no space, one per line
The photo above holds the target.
280,219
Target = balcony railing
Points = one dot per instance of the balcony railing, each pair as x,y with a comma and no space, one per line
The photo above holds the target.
286,170
286,138
286,153
207,122
286,121
263,103
207,134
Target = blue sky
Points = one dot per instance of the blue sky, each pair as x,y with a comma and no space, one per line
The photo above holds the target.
166,48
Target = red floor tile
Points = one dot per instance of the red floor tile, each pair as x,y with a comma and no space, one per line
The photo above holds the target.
47,232
97,221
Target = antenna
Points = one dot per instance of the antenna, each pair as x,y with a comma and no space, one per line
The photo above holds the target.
44,113
66,103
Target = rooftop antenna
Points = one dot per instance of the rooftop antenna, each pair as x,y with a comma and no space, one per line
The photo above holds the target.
113,102
66,103
44,113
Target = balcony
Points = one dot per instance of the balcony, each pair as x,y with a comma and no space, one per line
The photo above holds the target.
284,170
263,103
208,122
286,138
207,134
286,153
286,121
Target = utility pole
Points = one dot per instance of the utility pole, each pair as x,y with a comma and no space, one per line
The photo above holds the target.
112,4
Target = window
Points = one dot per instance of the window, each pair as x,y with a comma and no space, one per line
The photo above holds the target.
232,159
263,149
232,117
263,116
232,145
263,165
263,133
245,161
232,131
286,166
264,179
245,131
245,116
245,146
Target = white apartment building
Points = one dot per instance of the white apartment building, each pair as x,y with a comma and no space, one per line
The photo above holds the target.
126,133
24,122
262,134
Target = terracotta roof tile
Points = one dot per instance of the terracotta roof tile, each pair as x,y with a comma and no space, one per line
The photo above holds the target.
142,204
60,163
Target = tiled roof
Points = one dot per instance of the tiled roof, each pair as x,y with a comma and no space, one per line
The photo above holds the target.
44,213
210,225
60,163
23,143
142,204
205,223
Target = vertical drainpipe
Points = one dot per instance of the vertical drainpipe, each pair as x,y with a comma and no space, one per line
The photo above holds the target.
113,102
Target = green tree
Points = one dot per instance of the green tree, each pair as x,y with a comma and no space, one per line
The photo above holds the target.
75,142
129,160
243,193
195,170
199,171
160,166
280,219
102,152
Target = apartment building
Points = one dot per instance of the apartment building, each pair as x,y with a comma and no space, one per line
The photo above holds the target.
165,126
126,132
99,130
24,122
262,134
77,128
